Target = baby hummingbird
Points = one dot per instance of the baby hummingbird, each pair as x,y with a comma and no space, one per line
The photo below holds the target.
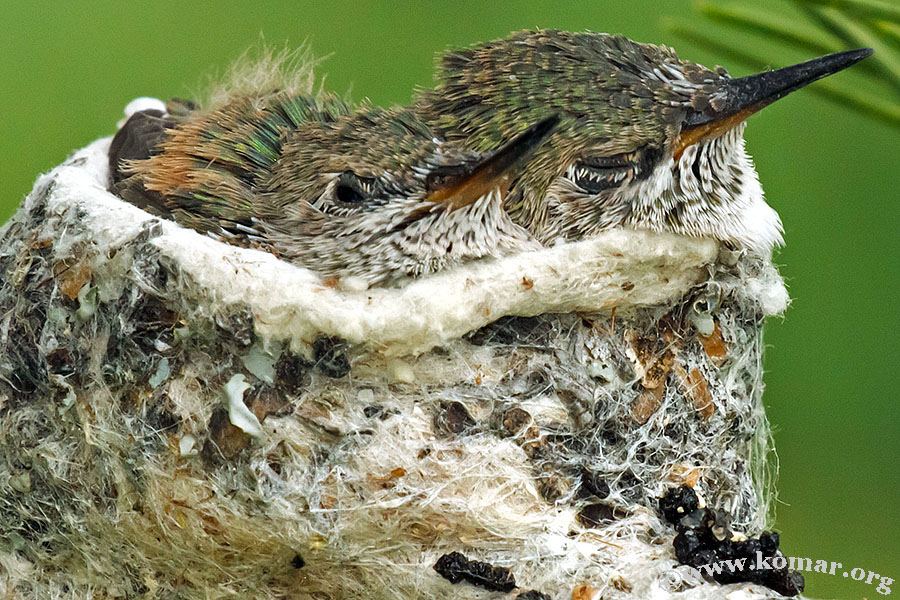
646,140
367,193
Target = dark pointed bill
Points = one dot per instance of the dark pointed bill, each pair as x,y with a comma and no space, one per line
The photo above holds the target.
740,98
746,95
461,185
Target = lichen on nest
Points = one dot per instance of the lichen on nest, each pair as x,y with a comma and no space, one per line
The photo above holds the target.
175,424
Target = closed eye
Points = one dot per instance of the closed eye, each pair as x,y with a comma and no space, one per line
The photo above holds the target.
353,191
347,193
597,173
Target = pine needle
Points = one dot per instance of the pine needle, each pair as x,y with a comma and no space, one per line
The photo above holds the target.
832,25
861,101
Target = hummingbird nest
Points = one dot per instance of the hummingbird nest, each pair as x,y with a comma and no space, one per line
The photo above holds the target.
187,419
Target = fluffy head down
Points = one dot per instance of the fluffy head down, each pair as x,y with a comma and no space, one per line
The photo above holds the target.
618,157
711,190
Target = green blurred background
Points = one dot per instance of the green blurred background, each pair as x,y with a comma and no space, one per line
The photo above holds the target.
68,69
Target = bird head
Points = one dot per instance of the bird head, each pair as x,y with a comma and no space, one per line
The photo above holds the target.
377,196
646,140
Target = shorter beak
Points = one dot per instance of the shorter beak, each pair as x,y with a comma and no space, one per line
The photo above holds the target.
739,98
458,186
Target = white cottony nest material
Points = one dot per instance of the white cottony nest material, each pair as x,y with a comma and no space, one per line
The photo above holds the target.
182,418
617,268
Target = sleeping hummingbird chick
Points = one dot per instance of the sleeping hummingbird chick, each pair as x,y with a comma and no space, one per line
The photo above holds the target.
646,140
537,138
367,193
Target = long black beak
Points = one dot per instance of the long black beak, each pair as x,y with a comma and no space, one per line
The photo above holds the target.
517,150
750,94
460,185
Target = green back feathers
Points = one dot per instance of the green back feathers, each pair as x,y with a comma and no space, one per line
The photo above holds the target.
208,170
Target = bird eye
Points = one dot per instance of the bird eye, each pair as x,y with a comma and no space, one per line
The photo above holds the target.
353,191
594,174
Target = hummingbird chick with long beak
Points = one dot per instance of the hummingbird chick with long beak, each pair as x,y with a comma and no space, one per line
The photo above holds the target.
366,193
646,140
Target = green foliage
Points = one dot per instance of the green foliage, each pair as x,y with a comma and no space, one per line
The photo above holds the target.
69,69
825,26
